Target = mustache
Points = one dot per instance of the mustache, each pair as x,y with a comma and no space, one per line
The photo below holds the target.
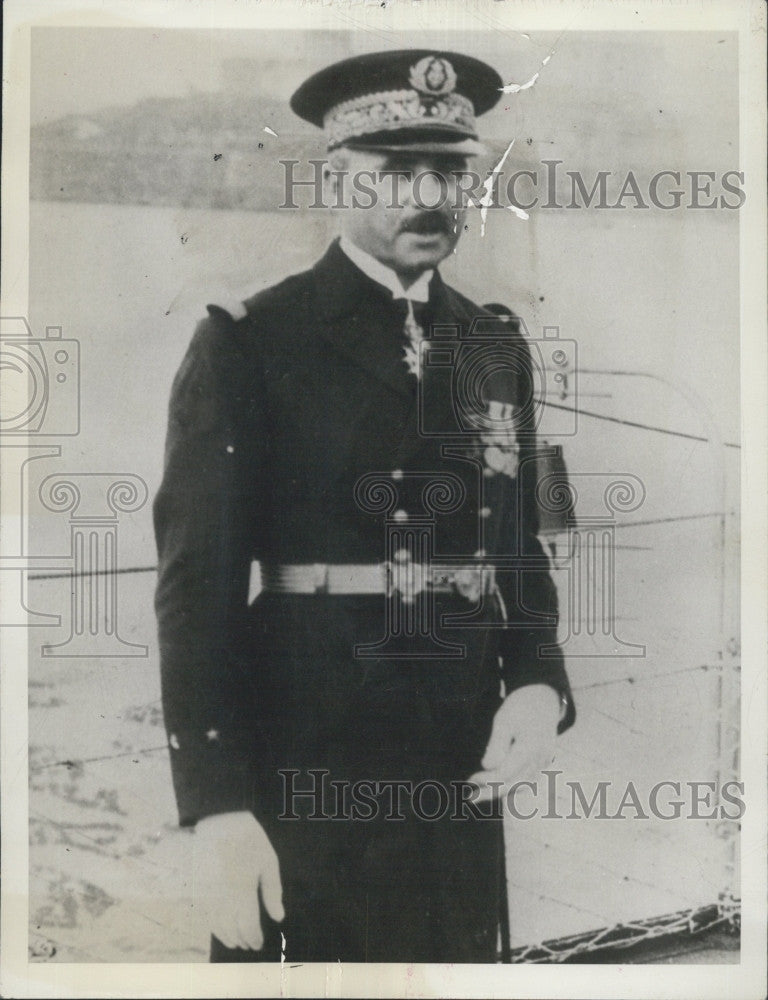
428,222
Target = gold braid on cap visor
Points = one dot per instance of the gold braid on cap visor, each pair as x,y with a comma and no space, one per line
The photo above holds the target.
397,109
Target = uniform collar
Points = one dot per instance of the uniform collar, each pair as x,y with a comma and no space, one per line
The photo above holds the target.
383,275
345,292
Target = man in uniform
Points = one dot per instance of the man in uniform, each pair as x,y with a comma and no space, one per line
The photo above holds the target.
403,643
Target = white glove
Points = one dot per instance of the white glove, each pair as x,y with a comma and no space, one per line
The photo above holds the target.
522,740
234,862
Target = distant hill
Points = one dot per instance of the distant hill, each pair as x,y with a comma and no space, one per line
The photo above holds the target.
206,150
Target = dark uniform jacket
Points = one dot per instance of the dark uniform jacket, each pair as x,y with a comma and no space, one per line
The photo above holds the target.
275,418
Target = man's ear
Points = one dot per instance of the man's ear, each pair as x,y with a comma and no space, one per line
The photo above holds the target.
330,185
334,174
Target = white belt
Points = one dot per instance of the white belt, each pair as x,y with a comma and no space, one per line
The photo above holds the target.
407,579
324,578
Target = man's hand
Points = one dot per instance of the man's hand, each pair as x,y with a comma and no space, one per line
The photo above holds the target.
522,740
234,863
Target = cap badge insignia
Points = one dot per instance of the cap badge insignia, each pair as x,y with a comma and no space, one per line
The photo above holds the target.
433,76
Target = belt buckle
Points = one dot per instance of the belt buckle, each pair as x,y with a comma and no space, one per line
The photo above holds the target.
406,578
409,579
472,582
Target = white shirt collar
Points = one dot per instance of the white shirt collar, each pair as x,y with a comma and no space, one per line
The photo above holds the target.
383,275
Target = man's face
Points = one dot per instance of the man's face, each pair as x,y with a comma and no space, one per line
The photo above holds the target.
405,209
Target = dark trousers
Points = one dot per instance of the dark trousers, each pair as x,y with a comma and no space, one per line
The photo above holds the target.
386,864
400,906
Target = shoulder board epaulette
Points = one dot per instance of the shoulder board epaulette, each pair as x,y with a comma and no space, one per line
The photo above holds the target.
230,303
504,313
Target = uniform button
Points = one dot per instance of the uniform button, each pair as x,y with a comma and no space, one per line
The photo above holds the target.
495,458
173,740
400,516
397,473
211,735
230,449
485,512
